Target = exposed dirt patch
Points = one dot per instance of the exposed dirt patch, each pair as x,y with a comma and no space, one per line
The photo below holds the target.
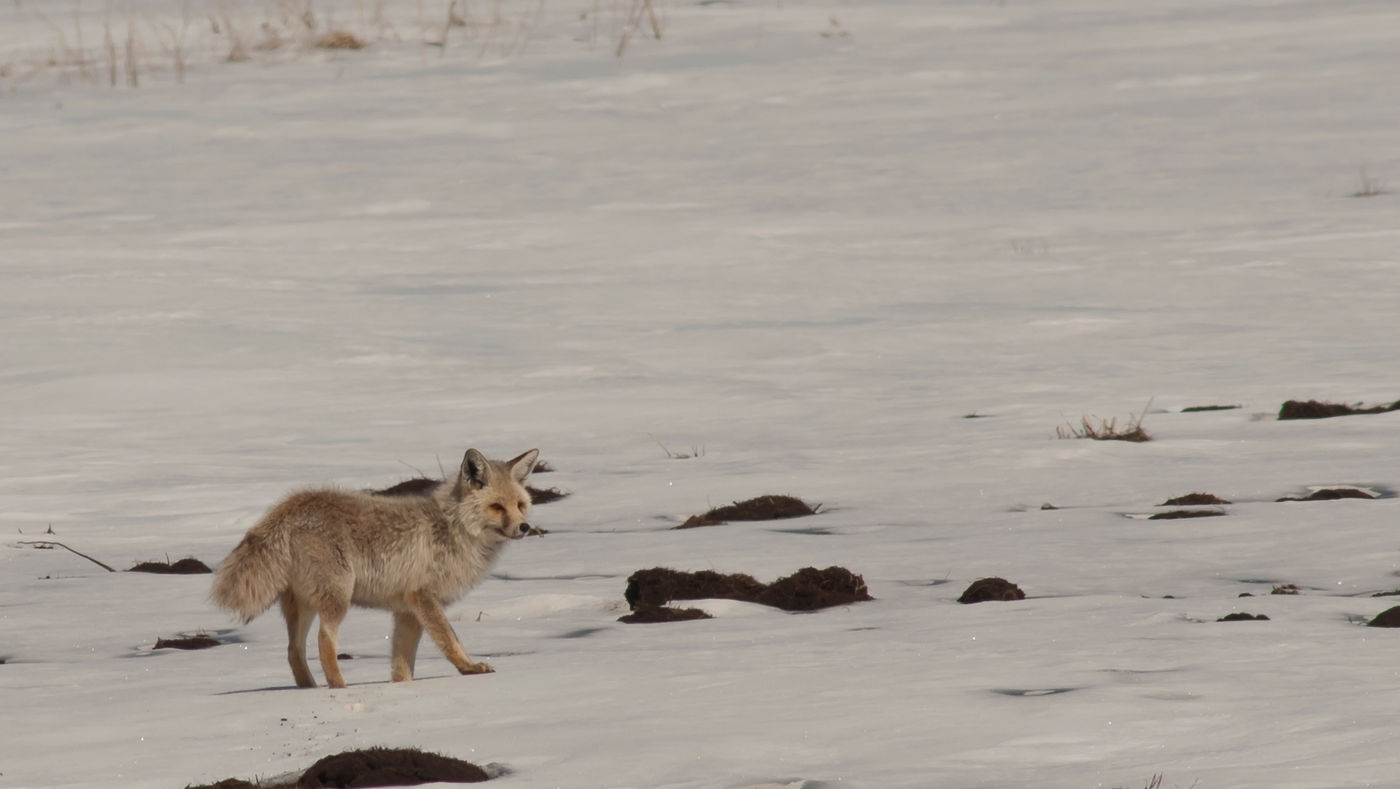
197,641
423,486
544,495
1314,409
1242,617
542,467
988,589
1286,589
807,589
388,767
340,39
239,783
418,486
1390,617
1177,514
186,566
1193,499
371,767
647,614
1331,494
1198,408
761,508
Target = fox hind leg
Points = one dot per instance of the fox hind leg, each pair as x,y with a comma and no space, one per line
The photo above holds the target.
434,620
298,615
407,632
332,611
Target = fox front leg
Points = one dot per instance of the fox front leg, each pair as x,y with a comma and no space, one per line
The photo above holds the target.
434,620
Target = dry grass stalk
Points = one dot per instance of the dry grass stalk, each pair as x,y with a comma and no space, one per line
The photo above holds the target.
340,39
1107,429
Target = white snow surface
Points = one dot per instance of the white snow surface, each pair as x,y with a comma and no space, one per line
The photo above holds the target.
801,240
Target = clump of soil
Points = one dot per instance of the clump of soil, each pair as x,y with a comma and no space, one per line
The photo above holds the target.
423,486
199,641
340,39
238,783
762,508
1331,494
1286,589
1313,409
1390,617
1193,499
648,614
371,767
1198,408
388,767
810,589
186,566
1176,514
807,589
986,589
418,486
544,495
1241,617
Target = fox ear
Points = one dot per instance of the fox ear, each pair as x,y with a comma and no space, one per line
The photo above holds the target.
475,468
521,467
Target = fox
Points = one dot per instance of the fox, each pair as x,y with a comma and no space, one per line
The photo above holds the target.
319,552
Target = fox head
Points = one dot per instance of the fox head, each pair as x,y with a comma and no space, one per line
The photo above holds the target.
494,492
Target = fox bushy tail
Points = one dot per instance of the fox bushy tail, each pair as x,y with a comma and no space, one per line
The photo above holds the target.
257,572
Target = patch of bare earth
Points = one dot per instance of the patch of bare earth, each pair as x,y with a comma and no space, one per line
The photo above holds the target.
1314,409
808,589
1179,514
371,767
1331,494
988,589
761,508
1193,500
186,566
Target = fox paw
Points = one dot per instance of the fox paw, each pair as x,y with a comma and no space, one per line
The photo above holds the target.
476,668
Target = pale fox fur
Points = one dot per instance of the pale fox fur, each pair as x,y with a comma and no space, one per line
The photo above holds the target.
320,551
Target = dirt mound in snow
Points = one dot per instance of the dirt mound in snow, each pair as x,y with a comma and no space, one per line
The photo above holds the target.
1176,514
1331,494
372,767
1313,409
762,508
648,614
418,486
388,767
986,589
1193,500
1390,617
187,566
423,486
197,641
807,589
1243,617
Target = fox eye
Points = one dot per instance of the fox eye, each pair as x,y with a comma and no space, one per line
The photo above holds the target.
498,509
520,506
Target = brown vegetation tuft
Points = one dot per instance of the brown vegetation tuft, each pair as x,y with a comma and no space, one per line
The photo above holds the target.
1179,514
1314,409
340,39
761,508
987,589
1193,499
186,566
807,589
1331,494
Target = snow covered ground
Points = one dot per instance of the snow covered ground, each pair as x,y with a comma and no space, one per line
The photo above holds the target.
800,239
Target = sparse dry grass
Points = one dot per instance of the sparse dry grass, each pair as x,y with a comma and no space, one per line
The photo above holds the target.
1107,429
1368,186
